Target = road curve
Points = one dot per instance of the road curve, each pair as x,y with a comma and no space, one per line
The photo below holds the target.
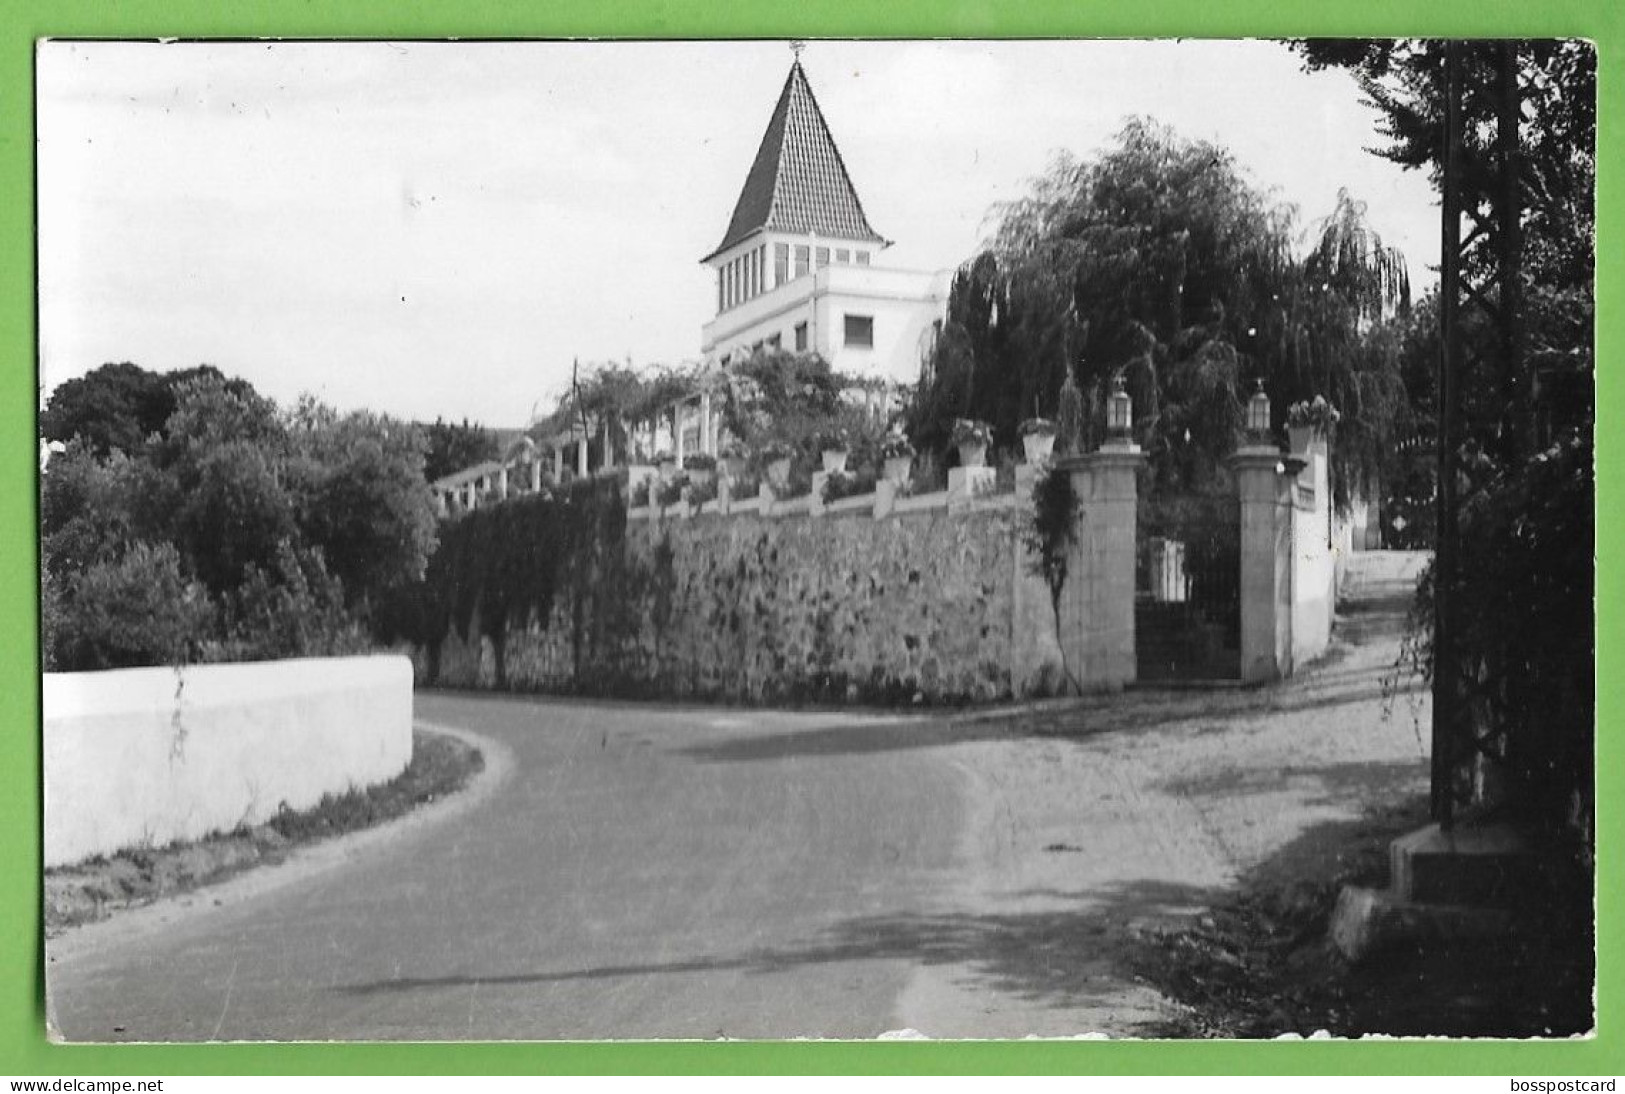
639,872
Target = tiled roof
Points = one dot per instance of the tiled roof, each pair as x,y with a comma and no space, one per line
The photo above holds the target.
797,182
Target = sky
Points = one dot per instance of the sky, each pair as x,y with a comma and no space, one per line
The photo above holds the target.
440,229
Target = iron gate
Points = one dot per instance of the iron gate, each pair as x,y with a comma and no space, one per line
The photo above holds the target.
1187,587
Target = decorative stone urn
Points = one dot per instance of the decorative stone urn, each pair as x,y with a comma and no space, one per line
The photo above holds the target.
1038,446
897,468
733,467
973,454
834,461
778,472
1299,437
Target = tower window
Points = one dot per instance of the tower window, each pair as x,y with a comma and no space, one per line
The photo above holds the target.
842,256
823,257
863,258
803,258
860,331
781,264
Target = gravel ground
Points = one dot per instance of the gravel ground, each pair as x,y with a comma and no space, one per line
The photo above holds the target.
1103,826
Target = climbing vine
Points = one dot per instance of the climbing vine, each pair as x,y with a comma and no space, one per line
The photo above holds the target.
1051,535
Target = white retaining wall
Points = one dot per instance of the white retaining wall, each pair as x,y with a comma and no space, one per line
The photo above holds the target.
146,757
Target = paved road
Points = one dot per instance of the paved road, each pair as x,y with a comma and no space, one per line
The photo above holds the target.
631,872
637,873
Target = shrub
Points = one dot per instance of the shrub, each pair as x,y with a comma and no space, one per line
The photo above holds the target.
702,492
1041,427
671,491
296,609
848,484
896,446
700,461
137,610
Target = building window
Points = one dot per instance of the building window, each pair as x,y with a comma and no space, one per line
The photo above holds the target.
803,258
761,269
842,256
781,264
722,290
863,258
860,331
775,343
823,257
801,338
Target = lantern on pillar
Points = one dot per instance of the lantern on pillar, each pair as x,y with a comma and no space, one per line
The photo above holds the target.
1119,413
1258,415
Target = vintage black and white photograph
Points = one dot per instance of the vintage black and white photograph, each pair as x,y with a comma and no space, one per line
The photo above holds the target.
713,540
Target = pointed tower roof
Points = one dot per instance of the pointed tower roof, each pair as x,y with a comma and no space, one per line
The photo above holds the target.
798,182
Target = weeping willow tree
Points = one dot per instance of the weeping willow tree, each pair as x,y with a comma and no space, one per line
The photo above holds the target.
1160,260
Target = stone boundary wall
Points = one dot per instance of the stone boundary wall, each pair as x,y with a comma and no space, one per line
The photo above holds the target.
925,599
147,757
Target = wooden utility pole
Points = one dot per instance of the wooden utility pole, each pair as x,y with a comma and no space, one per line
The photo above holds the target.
1447,724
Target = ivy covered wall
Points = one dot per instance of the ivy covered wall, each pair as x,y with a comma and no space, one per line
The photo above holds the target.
913,607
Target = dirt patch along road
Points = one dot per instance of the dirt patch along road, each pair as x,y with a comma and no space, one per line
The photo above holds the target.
647,871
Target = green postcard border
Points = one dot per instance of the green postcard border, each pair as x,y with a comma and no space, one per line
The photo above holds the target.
23,1048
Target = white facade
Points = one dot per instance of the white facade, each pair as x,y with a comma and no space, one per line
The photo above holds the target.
863,318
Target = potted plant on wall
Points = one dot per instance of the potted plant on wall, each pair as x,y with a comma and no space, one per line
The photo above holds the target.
700,468
833,445
775,457
972,437
897,455
667,463
733,463
1306,418
1038,439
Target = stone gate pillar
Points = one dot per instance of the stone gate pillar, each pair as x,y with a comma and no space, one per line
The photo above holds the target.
1263,485
1097,603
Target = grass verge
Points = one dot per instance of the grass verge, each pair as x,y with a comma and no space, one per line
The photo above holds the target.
101,886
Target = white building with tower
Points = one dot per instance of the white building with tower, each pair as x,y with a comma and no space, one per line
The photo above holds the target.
800,268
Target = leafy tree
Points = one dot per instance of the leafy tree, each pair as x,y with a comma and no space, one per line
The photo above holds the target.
450,447
357,488
120,406
1521,606
114,407
1159,259
269,534
235,514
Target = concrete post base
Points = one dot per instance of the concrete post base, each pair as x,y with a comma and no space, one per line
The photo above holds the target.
1454,886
